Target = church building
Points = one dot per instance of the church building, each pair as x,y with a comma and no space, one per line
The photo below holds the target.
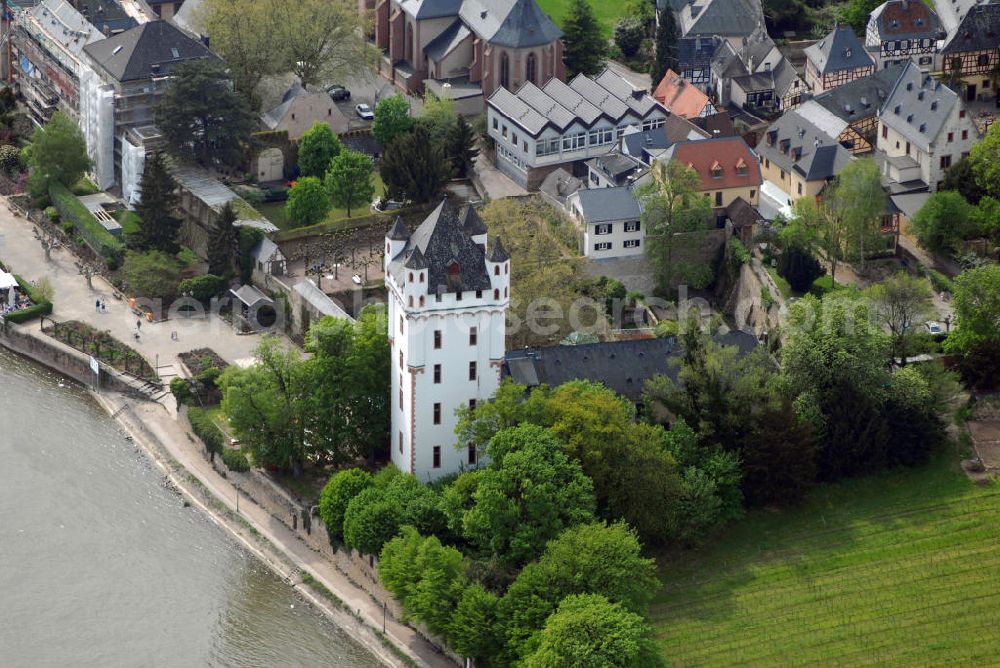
448,292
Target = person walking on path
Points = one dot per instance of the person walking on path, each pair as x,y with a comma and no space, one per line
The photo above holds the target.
138,324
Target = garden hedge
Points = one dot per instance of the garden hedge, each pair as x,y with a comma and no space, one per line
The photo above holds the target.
93,233
39,308
206,429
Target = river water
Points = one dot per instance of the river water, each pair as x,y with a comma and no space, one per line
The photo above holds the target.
101,565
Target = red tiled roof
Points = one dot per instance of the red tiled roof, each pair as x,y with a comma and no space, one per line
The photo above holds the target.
680,96
904,15
726,153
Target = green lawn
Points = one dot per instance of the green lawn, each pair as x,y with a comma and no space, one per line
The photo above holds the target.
275,211
895,569
607,12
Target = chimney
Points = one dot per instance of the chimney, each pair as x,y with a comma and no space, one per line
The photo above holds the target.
906,5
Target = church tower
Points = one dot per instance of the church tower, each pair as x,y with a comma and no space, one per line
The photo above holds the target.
448,292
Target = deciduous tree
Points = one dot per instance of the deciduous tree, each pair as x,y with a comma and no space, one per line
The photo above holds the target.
392,119
201,117
976,341
588,631
317,148
901,303
628,35
337,493
779,459
588,559
676,217
942,222
858,200
349,180
323,40
985,159
583,44
532,491
57,154
308,202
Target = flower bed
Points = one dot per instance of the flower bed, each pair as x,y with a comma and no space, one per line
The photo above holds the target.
201,360
102,346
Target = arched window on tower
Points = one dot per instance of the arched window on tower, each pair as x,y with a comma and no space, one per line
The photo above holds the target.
409,301
421,300
496,293
504,70
531,69
496,270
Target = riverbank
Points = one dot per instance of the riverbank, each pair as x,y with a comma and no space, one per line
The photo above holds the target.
159,431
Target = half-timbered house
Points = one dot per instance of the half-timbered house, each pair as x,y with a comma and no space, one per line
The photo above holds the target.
901,30
837,59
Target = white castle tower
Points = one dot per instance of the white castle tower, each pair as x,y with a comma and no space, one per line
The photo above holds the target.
448,297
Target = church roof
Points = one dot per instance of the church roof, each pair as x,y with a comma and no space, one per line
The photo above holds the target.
514,23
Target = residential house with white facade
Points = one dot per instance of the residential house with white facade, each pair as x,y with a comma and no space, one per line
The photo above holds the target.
611,221
476,45
837,59
923,129
901,30
537,129
448,293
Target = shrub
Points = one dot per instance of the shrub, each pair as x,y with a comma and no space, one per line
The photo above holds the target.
181,389
338,492
235,460
52,213
202,288
665,329
30,313
85,224
205,429
628,36
798,266
740,252
939,281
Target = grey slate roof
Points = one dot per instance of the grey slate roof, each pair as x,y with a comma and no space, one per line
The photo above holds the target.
720,17
472,223
560,105
431,9
66,25
398,231
157,43
319,300
862,97
622,366
450,38
497,252
839,50
600,205
918,106
695,52
440,241
108,16
514,23
821,157
980,29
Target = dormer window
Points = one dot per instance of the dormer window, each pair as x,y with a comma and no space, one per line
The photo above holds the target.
716,170
453,268
896,110
741,167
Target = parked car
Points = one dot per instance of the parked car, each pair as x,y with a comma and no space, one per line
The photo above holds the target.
933,327
365,112
383,204
338,93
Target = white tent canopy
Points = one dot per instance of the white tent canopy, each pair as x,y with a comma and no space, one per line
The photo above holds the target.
7,281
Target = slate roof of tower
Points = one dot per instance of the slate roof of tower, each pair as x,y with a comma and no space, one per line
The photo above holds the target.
514,23
157,43
839,50
442,240
472,223
497,252
979,29
398,231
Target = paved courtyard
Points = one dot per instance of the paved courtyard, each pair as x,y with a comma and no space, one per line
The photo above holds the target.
74,300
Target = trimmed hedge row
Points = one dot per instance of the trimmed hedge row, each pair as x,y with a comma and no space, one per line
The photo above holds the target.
235,460
73,210
39,308
206,429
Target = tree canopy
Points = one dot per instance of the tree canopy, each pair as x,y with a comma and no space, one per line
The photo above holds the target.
942,221
666,46
858,200
317,147
583,44
308,201
901,303
413,167
201,117
349,180
342,487
57,154
159,225
985,160
392,119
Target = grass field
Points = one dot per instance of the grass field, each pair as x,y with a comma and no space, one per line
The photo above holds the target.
896,569
607,12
